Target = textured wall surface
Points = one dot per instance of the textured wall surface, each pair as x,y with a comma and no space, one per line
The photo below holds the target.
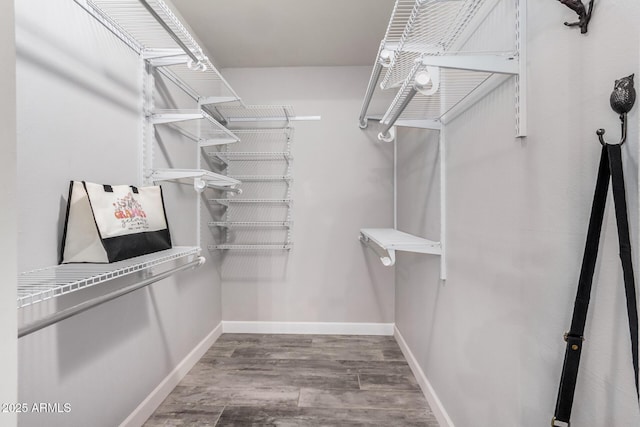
490,339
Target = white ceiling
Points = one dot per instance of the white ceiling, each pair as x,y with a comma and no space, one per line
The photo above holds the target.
288,33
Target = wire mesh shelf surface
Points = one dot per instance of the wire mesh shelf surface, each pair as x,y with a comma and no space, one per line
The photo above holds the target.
233,113
252,247
462,35
264,224
134,19
208,176
43,284
251,155
432,27
252,201
195,124
285,178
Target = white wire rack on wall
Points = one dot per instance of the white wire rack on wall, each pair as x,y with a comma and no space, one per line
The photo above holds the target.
438,56
441,57
37,286
152,29
262,159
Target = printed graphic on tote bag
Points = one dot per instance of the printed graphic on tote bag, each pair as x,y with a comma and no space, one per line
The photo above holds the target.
107,223
131,214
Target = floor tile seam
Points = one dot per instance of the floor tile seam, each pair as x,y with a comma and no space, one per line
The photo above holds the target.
219,416
369,408
418,391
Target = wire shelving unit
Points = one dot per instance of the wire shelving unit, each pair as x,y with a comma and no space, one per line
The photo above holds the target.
46,283
440,59
196,125
433,56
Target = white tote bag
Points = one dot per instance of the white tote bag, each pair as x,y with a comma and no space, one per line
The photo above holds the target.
107,223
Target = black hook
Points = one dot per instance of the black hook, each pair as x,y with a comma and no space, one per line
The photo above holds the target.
623,125
622,100
584,16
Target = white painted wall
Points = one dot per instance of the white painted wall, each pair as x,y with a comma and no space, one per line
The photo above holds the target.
490,338
342,182
79,117
8,217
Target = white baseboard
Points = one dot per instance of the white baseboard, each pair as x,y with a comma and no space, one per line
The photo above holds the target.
429,393
320,328
157,396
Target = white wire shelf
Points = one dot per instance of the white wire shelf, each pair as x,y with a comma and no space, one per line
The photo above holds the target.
200,84
196,125
445,44
286,178
227,202
424,27
249,224
267,134
43,284
286,246
200,178
256,113
388,240
250,155
158,35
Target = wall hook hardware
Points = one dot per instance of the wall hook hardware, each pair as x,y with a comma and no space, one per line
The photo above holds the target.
584,15
622,100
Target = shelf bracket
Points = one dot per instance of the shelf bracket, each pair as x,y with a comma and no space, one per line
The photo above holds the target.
387,256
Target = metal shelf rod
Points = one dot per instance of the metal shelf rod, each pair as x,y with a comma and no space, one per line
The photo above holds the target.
384,134
84,306
375,75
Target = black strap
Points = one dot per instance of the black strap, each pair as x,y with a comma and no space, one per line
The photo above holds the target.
620,202
610,166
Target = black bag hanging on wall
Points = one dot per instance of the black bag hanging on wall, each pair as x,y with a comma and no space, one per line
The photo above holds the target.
106,223
610,167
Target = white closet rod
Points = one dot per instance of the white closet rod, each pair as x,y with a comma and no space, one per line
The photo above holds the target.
385,135
375,75
84,306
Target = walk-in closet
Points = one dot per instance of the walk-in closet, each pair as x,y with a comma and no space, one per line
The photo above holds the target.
331,213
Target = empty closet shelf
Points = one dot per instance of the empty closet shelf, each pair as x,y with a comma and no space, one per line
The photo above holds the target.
285,246
200,178
251,224
385,241
257,113
248,156
286,178
43,284
227,202
196,125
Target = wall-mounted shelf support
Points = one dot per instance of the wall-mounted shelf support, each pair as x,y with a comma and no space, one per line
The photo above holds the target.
386,241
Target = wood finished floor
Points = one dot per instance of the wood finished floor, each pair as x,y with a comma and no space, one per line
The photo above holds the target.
298,380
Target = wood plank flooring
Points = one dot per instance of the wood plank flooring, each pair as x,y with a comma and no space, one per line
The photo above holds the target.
298,380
